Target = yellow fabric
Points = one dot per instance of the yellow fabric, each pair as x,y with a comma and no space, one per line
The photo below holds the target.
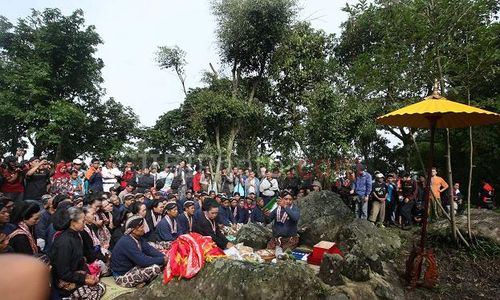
113,290
449,114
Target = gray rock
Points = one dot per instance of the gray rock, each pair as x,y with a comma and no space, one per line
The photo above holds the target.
356,268
364,239
484,224
254,235
322,204
331,268
229,279
322,214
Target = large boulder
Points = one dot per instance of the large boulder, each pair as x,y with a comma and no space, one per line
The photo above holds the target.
331,269
322,214
362,238
229,279
485,224
254,235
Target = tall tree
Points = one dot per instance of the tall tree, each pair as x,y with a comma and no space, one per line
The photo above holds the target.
51,87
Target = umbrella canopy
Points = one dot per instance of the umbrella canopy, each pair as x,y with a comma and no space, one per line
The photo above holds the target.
448,114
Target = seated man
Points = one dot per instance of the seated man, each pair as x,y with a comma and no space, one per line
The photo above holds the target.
167,229
186,218
285,216
134,262
257,215
207,226
225,217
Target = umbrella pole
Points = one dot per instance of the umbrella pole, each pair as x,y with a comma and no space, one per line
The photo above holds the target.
419,254
427,195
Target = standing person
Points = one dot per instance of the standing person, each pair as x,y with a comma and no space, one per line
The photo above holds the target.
69,266
94,177
286,217
60,182
409,190
37,179
182,171
486,194
110,175
379,197
438,185
268,187
291,182
361,191
134,261
145,182
13,175
197,180
457,198
252,184
390,203
128,175
227,181
239,181
76,184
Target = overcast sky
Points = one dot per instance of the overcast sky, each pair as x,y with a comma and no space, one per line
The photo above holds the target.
132,31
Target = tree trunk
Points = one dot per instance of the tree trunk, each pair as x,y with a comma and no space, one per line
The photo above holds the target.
469,185
417,149
450,189
219,155
230,145
59,152
249,158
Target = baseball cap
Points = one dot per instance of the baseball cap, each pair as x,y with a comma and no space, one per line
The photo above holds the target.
77,161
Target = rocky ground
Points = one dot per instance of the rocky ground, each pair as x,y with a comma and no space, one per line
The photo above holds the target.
372,267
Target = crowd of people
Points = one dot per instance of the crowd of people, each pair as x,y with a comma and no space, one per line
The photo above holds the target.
400,199
102,220
90,222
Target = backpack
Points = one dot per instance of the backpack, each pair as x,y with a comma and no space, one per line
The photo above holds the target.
176,182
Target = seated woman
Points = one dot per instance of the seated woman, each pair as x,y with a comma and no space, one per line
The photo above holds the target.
167,230
207,226
134,261
285,216
154,216
91,244
25,216
185,220
5,227
69,266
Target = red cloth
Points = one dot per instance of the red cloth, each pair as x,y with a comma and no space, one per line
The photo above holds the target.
187,256
58,174
196,182
12,187
127,176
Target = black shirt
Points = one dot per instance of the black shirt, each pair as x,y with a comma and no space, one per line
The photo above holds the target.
67,258
36,185
204,227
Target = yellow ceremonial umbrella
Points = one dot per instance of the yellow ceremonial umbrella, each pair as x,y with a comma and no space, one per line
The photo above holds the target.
434,112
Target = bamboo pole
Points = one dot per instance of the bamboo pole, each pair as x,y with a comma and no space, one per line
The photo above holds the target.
450,188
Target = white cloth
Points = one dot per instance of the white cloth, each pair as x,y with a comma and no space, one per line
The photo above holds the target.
109,177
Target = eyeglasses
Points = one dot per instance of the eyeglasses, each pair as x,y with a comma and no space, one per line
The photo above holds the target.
288,198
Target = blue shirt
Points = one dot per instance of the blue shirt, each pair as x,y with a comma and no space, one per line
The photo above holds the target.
390,192
164,231
363,185
127,254
289,227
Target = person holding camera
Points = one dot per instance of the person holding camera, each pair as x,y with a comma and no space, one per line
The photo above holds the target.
37,179
13,174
